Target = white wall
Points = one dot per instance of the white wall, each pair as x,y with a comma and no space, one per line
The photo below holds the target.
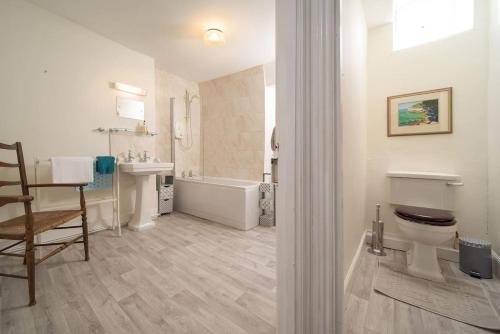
54,88
460,62
494,127
354,126
270,113
270,123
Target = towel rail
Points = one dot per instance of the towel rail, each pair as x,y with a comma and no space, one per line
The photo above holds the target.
114,199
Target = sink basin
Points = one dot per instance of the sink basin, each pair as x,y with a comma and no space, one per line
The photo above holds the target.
143,171
146,168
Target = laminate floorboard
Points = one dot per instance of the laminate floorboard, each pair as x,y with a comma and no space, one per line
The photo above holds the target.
369,312
187,275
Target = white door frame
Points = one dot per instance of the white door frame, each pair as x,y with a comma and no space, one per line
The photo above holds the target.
309,208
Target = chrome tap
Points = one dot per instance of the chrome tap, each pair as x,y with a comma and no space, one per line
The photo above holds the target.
130,156
146,157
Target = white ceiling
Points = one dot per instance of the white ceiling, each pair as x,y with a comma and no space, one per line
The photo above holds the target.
171,31
377,12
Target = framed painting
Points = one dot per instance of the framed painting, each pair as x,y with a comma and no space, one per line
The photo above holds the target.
421,113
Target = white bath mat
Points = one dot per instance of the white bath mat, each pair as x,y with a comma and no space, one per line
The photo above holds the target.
457,299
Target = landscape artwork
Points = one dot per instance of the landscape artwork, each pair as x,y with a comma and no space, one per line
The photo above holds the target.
421,113
418,112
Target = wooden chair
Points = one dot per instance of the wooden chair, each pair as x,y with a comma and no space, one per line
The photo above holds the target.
25,227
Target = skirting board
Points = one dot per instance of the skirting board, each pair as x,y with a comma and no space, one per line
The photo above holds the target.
352,266
446,253
496,265
93,228
20,248
395,242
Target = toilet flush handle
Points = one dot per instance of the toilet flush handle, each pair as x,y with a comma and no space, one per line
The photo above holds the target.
455,184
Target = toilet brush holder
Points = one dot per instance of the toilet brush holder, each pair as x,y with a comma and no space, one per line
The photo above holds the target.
377,242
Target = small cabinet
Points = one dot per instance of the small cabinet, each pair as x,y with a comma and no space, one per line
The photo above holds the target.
165,196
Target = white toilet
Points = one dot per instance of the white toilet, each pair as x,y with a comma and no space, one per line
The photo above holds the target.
423,204
427,229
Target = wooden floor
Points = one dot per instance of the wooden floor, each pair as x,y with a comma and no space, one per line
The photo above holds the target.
190,276
369,312
185,276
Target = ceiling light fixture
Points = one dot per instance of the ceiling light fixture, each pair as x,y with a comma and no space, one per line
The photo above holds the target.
214,37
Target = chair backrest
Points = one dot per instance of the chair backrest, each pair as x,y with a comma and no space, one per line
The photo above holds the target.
23,182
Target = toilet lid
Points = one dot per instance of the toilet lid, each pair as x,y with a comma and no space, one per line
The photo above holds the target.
426,216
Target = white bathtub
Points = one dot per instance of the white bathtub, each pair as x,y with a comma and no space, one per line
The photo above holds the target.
227,201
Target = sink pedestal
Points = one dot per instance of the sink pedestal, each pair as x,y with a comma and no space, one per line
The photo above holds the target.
143,171
142,215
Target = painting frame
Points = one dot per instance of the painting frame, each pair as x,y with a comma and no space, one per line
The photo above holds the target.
443,117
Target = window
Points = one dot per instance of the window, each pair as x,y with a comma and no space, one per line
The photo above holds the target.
417,22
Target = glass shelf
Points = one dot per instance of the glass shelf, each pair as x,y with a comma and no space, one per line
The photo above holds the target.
125,130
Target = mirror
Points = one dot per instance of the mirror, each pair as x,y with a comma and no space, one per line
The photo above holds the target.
130,108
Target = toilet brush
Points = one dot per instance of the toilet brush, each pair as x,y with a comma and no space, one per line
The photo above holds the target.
377,244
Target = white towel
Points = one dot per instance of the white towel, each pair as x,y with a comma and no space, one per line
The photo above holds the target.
72,169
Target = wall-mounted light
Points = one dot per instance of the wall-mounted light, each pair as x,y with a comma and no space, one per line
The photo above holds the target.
214,37
129,89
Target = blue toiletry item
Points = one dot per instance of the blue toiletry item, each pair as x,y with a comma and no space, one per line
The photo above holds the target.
105,164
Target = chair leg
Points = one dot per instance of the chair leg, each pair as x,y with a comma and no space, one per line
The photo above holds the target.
25,252
30,262
85,235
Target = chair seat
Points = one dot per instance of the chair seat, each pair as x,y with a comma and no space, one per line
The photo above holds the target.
15,228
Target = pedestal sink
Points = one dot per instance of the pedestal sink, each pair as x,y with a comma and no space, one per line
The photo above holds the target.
143,171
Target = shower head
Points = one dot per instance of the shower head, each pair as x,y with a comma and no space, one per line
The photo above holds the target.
189,98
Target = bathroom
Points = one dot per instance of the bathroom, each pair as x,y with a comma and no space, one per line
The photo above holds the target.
188,230
195,103
399,52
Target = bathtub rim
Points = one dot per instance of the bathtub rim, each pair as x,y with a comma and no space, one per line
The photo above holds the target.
199,180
